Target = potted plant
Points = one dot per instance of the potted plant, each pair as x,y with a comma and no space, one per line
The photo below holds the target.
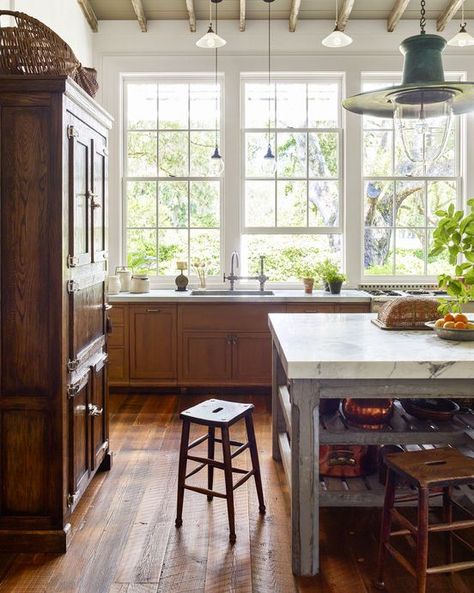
335,281
307,274
455,234
328,269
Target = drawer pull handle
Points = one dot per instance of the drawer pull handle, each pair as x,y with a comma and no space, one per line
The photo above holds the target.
153,310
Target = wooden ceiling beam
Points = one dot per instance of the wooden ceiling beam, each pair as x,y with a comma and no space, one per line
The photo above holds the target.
344,14
139,11
294,10
398,9
450,10
242,15
192,15
89,14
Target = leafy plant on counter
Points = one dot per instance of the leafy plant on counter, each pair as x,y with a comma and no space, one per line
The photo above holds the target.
455,234
328,271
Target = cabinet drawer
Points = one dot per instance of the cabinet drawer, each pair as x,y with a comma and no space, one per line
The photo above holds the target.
311,308
353,308
117,336
227,316
117,315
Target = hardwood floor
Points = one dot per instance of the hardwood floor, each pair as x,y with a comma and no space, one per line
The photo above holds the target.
125,541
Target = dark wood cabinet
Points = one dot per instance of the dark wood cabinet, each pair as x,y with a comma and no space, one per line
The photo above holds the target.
53,390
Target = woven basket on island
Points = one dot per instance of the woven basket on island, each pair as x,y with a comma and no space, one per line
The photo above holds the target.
30,47
407,313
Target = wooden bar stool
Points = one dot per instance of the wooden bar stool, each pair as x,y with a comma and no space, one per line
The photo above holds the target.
215,413
438,469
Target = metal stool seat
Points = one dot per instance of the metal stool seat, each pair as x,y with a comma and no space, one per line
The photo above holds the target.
215,413
438,469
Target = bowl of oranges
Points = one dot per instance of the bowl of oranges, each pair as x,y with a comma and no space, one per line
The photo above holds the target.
453,326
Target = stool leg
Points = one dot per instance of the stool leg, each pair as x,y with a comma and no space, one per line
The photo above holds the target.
183,458
385,526
422,540
255,463
211,433
448,518
228,482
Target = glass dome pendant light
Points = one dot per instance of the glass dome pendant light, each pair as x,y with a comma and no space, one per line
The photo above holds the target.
337,38
269,160
424,104
462,39
211,40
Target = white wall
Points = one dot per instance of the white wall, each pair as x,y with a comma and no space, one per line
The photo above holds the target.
168,46
64,17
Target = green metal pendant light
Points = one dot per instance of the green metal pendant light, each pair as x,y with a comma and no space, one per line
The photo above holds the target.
424,104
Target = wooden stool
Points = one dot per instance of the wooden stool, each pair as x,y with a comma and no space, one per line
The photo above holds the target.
215,413
438,469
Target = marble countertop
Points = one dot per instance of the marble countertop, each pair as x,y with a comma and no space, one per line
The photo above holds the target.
279,296
349,346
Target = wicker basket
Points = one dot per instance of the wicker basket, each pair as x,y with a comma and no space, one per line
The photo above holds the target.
31,47
408,313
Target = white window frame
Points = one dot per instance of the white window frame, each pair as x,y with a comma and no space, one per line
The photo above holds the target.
181,77
304,78
459,179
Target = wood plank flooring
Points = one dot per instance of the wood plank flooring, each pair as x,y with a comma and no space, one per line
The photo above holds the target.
124,539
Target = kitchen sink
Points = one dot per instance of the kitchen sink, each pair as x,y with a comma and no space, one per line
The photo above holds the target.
231,292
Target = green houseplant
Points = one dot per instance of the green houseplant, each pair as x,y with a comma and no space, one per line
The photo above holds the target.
331,276
454,234
306,273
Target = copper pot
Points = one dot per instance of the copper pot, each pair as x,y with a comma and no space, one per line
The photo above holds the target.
367,413
347,461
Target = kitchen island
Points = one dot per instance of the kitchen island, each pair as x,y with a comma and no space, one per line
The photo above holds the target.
345,355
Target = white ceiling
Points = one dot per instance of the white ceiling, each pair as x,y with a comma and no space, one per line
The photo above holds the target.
257,9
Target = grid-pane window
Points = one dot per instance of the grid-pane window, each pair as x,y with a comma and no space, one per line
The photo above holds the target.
172,200
400,198
292,216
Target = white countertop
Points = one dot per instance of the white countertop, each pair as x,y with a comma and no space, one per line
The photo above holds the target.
279,296
349,346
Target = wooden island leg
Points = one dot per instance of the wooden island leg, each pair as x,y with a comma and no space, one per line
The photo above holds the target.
305,476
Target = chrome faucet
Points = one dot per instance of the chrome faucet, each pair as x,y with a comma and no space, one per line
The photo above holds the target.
232,277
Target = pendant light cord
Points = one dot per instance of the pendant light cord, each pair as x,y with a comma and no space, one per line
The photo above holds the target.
269,71
422,17
215,81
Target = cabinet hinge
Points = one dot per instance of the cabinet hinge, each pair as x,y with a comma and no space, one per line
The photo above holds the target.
72,365
72,389
72,261
105,445
72,132
71,499
72,286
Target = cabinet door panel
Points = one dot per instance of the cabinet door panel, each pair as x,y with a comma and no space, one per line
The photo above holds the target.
80,149
153,342
206,358
99,202
252,359
88,319
79,459
97,409
117,365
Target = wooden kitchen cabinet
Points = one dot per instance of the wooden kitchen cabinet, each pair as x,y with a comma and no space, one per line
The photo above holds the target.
53,148
153,342
118,346
252,358
206,358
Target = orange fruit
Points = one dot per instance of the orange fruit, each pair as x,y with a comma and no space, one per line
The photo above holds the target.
439,323
460,317
460,325
449,317
448,325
